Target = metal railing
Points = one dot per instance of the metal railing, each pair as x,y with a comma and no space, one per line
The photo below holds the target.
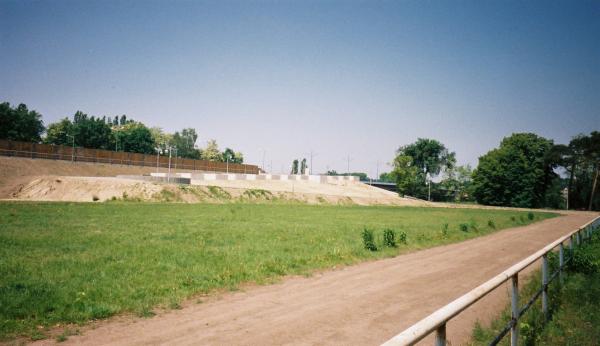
437,320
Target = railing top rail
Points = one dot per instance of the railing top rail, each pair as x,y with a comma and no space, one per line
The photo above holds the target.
421,329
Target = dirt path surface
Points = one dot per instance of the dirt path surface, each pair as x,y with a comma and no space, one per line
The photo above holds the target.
364,304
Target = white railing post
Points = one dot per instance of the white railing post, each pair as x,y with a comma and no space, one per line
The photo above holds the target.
545,285
440,335
571,243
514,330
561,262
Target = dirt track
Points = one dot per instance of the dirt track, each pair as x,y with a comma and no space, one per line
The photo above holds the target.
360,305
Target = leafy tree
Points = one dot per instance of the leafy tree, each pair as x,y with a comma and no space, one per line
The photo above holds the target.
185,143
456,185
60,133
211,152
409,178
20,124
135,137
231,156
415,162
387,177
91,132
517,174
303,166
332,172
161,139
295,167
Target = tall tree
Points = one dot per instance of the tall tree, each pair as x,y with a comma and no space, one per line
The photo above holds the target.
186,143
295,167
211,152
516,174
60,133
416,162
592,154
135,137
303,166
20,124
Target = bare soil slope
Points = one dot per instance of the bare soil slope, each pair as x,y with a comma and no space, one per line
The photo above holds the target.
49,180
364,304
16,172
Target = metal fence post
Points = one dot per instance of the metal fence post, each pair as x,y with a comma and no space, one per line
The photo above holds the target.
514,330
571,242
545,285
440,335
561,262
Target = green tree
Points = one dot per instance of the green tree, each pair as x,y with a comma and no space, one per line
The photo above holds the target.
60,133
416,162
135,137
517,174
211,152
409,178
295,167
303,166
20,124
185,143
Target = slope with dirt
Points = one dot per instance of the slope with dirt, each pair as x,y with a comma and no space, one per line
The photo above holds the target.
364,304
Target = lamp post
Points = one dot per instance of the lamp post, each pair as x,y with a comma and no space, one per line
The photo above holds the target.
73,148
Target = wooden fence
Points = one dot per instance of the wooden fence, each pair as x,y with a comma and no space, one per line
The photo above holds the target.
68,153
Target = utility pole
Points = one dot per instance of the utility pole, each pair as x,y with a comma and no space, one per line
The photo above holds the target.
348,168
312,154
377,175
263,160
157,157
169,172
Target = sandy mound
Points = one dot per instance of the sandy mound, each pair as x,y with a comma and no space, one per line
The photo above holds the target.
98,189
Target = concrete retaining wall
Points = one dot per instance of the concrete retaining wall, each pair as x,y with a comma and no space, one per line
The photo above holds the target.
283,177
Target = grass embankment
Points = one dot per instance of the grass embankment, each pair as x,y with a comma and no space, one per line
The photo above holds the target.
70,263
574,308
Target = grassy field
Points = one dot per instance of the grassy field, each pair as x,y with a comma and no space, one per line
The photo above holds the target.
574,308
70,263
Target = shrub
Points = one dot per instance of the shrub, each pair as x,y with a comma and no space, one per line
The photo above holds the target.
368,240
530,216
389,238
445,230
464,227
402,238
95,198
513,219
473,226
491,224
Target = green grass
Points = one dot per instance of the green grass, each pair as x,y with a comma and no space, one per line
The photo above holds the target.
574,308
71,263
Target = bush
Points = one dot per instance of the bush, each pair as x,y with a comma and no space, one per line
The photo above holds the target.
95,198
445,230
464,227
368,240
530,216
389,238
473,226
513,219
491,224
402,238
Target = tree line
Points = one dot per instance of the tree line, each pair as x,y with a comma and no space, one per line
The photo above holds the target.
110,133
526,170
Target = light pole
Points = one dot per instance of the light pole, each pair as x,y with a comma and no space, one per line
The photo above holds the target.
73,148
169,171
157,157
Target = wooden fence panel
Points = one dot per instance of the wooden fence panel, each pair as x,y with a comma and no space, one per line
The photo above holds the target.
68,153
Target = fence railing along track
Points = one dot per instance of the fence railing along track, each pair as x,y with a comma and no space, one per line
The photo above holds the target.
436,322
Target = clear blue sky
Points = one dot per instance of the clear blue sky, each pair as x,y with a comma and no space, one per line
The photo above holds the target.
338,77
